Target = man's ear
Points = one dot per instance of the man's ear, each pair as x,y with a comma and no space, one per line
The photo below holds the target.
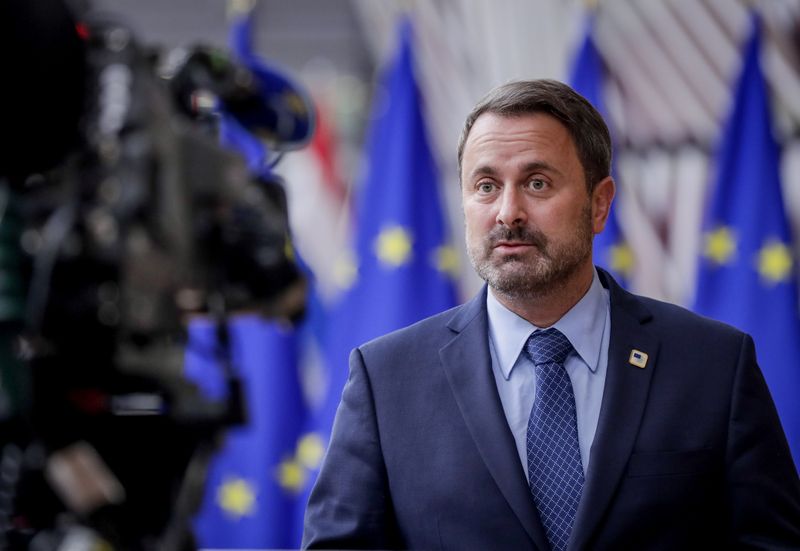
602,196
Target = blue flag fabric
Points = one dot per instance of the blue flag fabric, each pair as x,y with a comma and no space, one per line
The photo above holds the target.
403,265
403,261
747,275
252,484
611,250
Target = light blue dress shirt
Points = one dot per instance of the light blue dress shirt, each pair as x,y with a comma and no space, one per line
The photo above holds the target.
587,325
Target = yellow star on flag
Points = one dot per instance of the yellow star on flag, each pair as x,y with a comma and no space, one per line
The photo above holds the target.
345,270
310,450
445,259
393,246
237,497
291,475
720,245
621,258
775,262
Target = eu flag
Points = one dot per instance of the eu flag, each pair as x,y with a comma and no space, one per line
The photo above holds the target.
253,483
747,273
611,250
402,267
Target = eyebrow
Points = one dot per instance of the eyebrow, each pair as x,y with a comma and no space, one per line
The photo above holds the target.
484,170
488,170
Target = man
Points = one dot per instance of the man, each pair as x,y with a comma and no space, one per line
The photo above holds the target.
554,410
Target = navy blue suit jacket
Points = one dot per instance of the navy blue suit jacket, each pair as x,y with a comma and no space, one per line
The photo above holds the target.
689,452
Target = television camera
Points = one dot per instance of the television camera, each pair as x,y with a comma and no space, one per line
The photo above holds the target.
127,225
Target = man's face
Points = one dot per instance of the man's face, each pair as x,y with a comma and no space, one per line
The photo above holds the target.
529,217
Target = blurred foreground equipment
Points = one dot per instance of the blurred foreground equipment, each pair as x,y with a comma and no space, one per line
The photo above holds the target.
121,218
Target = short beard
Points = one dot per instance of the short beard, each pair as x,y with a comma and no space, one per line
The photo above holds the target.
553,265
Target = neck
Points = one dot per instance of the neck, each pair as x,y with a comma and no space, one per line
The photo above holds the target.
544,308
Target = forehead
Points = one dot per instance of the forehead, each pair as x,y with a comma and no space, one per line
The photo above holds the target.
525,138
528,128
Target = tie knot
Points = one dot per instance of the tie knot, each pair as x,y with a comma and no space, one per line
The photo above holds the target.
548,346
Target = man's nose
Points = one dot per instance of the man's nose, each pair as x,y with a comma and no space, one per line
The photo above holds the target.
511,210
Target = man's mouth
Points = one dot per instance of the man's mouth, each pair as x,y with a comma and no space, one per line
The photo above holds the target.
512,246
518,241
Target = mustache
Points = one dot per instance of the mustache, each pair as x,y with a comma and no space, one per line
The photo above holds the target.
517,234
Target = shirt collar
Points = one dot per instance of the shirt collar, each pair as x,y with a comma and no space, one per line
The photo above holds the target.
583,325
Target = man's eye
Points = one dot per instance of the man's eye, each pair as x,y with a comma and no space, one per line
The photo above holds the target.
537,184
485,187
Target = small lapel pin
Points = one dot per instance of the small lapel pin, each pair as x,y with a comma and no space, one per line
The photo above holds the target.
638,358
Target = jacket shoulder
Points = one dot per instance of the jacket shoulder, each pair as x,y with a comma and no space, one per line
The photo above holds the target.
665,316
431,330
670,315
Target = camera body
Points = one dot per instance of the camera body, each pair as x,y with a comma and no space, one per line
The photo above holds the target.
145,224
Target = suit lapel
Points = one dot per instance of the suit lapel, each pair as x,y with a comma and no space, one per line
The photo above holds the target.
468,368
624,400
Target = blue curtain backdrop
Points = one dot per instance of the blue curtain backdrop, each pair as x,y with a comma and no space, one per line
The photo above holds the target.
611,251
747,274
403,265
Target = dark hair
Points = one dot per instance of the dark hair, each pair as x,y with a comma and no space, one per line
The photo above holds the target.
583,122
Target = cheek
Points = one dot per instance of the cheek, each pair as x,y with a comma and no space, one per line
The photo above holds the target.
549,214
477,216
563,219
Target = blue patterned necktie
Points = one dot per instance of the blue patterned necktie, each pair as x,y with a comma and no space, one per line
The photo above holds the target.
555,474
